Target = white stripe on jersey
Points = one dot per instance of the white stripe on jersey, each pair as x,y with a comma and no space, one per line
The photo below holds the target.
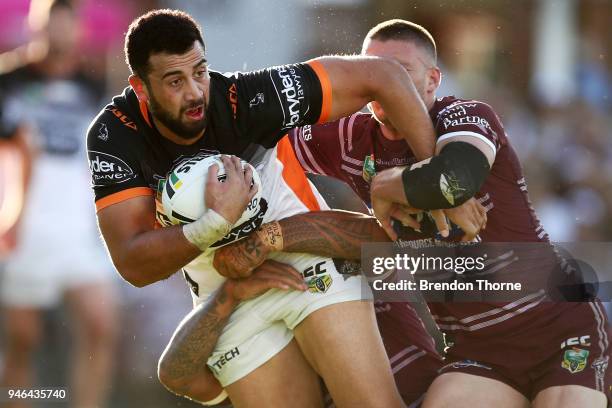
407,361
342,152
298,154
310,156
350,170
492,311
603,345
491,322
350,131
402,353
467,133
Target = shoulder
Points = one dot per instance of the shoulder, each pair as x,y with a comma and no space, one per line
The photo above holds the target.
453,106
115,124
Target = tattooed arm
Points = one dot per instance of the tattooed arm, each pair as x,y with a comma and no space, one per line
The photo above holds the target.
183,365
335,234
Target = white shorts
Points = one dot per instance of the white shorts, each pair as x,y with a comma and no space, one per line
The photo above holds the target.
38,274
261,327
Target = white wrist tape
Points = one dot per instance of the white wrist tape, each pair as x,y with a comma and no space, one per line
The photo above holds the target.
207,229
220,398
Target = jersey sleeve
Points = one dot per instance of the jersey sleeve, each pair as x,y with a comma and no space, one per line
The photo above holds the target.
318,148
115,171
274,100
473,119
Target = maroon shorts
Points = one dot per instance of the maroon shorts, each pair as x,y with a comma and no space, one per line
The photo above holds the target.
411,349
552,344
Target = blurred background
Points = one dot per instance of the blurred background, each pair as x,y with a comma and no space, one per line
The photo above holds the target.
544,65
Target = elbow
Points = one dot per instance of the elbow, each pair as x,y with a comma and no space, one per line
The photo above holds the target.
199,386
133,276
171,383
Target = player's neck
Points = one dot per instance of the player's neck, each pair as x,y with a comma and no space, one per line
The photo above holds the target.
173,137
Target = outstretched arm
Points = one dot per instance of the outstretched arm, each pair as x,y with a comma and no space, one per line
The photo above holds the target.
337,234
357,80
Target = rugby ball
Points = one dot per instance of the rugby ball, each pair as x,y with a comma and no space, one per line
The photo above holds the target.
184,190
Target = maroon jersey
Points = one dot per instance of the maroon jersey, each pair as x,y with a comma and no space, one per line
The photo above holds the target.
339,149
510,216
490,339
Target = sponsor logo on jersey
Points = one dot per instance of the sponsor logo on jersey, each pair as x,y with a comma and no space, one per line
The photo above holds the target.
575,360
467,120
306,132
124,119
369,168
103,132
258,99
291,92
577,341
233,98
224,359
107,169
246,227
464,364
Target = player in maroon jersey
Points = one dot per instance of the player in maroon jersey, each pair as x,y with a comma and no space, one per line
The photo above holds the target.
511,351
508,355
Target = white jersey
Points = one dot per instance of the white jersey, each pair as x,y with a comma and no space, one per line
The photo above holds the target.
286,194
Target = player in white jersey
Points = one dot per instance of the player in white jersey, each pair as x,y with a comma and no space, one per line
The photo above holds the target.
176,108
266,323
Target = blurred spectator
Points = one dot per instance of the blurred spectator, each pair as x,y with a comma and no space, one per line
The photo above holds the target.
58,255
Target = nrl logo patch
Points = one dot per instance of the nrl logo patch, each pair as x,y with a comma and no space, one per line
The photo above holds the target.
103,132
319,284
575,360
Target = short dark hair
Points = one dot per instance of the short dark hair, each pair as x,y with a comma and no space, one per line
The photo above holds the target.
397,29
169,31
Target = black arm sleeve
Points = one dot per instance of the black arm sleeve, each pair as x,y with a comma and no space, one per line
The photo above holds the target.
449,179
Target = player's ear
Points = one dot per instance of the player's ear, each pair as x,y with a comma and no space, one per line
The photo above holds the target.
434,79
138,86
